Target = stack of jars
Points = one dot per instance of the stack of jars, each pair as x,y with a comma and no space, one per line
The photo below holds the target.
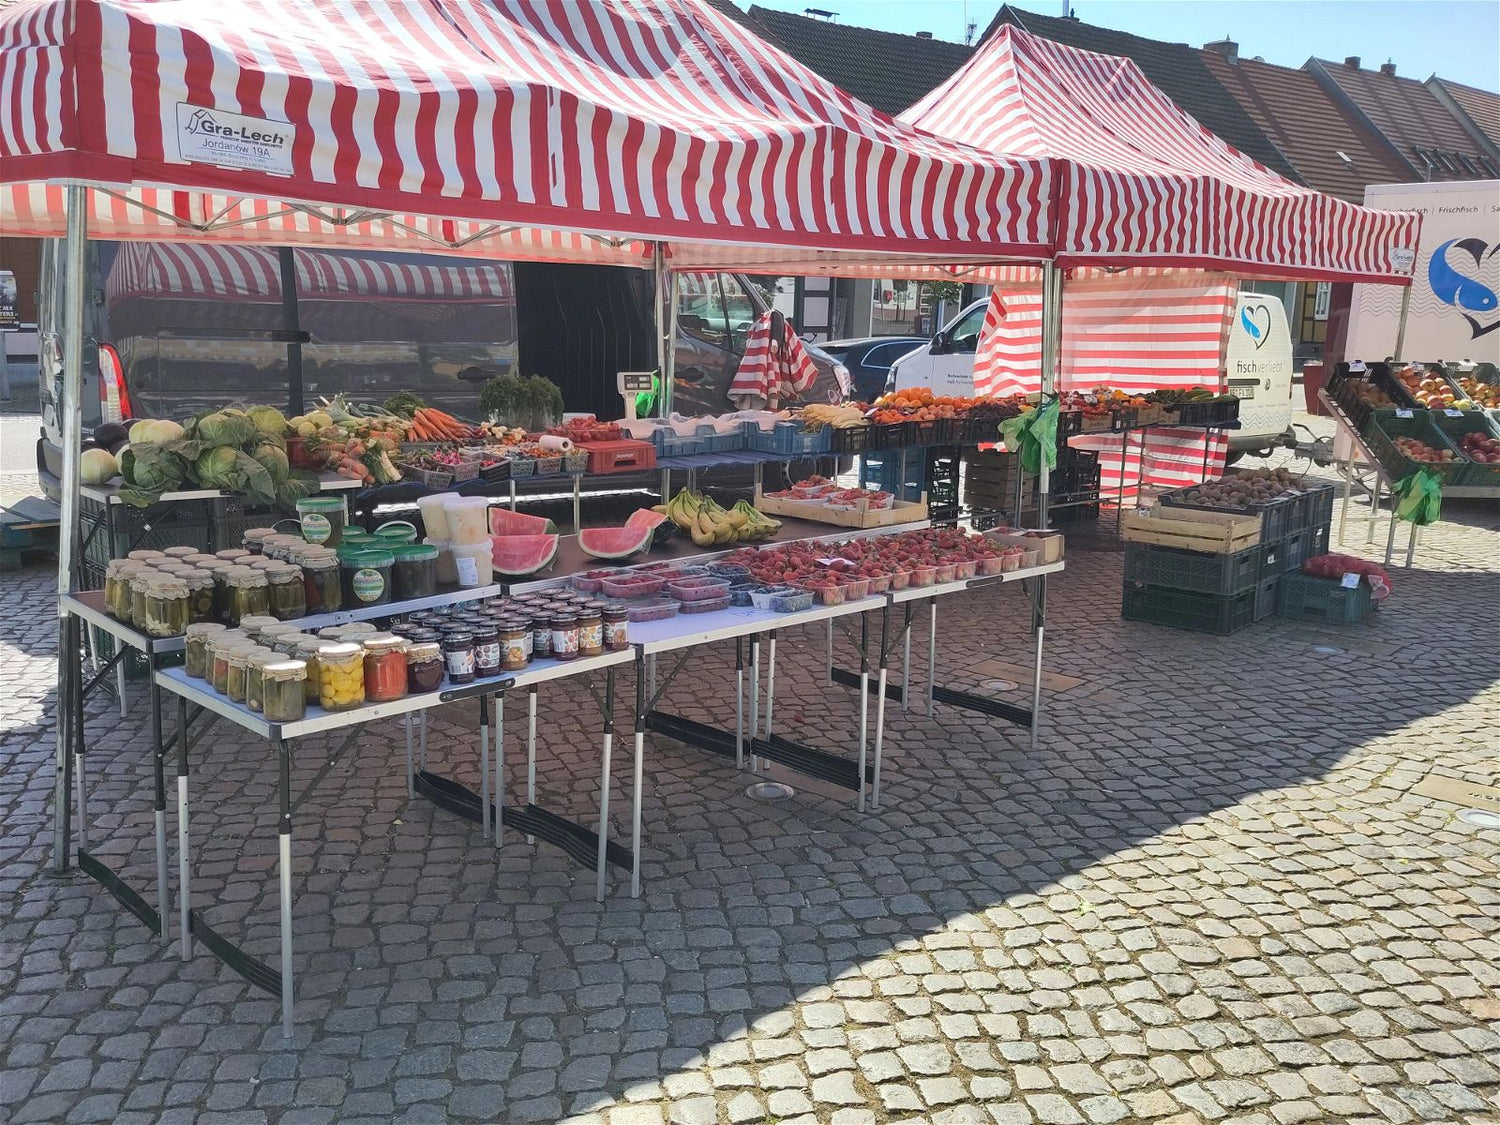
160,594
248,668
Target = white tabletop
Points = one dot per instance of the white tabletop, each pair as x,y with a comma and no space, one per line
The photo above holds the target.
689,629
110,493
915,593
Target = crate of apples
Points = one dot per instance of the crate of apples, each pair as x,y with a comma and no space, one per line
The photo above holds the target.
1480,448
1420,451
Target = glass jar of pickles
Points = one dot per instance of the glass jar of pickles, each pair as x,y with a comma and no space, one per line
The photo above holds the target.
166,606
269,635
255,663
235,663
254,538
288,596
341,676
321,588
307,652
146,556
367,577
200,584
249,594
218,650
233,554
195,648
284,698
385,667
424,666
254,624
117,577
138,583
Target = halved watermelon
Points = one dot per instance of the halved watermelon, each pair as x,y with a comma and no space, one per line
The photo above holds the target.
519,555
505,522
614,542
662,527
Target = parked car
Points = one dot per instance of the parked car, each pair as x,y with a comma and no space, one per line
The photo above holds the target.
177,328
869,360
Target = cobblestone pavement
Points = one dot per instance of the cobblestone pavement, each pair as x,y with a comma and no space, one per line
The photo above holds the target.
1210,896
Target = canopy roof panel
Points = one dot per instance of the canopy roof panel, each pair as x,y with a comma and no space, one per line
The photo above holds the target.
482,126
1140,181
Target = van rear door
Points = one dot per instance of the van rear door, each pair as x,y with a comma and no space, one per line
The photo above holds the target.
1258,371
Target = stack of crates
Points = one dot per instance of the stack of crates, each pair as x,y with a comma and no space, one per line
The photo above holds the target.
1223,593
931,470
991,480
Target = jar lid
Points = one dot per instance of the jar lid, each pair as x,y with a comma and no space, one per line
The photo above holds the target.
564,619
238,654
168,586
260,657
414,552
321,504
357,629
458,638
616,612
179,552
378,643
255,622
256,534
321,561
265,563
279,629
246,578
395,535
283,574
356,535
285,669
419,652
312,644
229,554
464,503
200,558
197,577
204,629
338,650
369,556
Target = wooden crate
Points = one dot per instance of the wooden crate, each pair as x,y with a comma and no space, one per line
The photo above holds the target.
1216,533
1047,545
904,511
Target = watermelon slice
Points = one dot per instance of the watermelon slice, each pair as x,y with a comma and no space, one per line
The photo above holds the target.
614,542
519,555
505,522
645,517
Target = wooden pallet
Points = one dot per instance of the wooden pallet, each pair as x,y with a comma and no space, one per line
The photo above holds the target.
28,525
1214,533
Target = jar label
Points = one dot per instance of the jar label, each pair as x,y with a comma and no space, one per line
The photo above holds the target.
367,584
487,655
316,528
468,570
460,662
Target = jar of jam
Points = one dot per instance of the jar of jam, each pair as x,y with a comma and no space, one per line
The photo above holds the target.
288,595
195,648
254,538
528,643
255,662
385,667
486,649
590,632
341,676
307,652
249,594
284,697
424,666
541,638
564,637
616,629
234,673
513,637
458,656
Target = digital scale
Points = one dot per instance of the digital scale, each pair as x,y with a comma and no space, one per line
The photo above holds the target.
632,383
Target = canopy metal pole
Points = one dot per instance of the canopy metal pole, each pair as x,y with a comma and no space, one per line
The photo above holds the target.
1051,341
292,325
70,409
1401,323
669,373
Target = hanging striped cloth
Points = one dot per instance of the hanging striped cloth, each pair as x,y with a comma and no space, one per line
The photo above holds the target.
773,374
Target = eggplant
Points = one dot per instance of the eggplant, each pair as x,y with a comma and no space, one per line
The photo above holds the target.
111,433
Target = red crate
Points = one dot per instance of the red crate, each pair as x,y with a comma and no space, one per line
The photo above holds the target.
623,456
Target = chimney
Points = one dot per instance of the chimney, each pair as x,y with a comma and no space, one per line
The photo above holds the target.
1352,62
1388,68
924,34
1226,47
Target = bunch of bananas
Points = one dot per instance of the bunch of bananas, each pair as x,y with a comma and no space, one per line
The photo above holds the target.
713,525
817,415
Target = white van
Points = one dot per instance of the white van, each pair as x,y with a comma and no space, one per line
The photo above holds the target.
1257,364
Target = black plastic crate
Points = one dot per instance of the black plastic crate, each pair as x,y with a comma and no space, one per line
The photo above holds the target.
889,437
1323,599
1213,413
1276,516
1221,614
1385,426
1267,598
1194,571
1317,505
852,439
1320,538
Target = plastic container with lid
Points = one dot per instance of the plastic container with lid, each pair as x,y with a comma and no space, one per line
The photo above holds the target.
254,538
393,533
322,519
255,662
195,648
473,564
288,595
424,666
414,574
468,520
322,585
249,594
341,676
458,656
166,606
447,572
434,517
179,552
253,624
366,578
284,696
385,667
355,538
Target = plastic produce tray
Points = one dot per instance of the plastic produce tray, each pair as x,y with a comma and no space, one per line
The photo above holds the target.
1193,570
789,438
1221,614
1385,426
1323,599
1473,474
1213,413
1276,516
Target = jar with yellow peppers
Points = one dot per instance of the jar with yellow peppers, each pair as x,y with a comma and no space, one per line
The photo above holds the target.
341,676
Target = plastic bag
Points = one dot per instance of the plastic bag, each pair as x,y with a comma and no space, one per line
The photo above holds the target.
1033,435
1419,498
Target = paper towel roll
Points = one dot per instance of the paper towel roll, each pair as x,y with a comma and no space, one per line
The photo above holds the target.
556,444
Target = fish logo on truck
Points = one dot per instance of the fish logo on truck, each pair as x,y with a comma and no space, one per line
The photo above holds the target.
1475,301
1256,321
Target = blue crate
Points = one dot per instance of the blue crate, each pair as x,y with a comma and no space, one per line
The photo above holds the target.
668,444
720,443
789,438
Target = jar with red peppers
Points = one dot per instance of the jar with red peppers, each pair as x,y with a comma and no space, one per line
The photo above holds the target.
385,668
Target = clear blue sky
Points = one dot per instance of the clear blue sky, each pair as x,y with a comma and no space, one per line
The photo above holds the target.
1458,39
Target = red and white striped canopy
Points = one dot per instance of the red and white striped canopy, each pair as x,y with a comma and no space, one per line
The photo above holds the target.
577,131
1139,181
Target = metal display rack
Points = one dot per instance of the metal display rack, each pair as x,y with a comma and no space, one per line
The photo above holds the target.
199,707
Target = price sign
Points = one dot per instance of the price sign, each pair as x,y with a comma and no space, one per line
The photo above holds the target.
1453,413
1350,580
1402,412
